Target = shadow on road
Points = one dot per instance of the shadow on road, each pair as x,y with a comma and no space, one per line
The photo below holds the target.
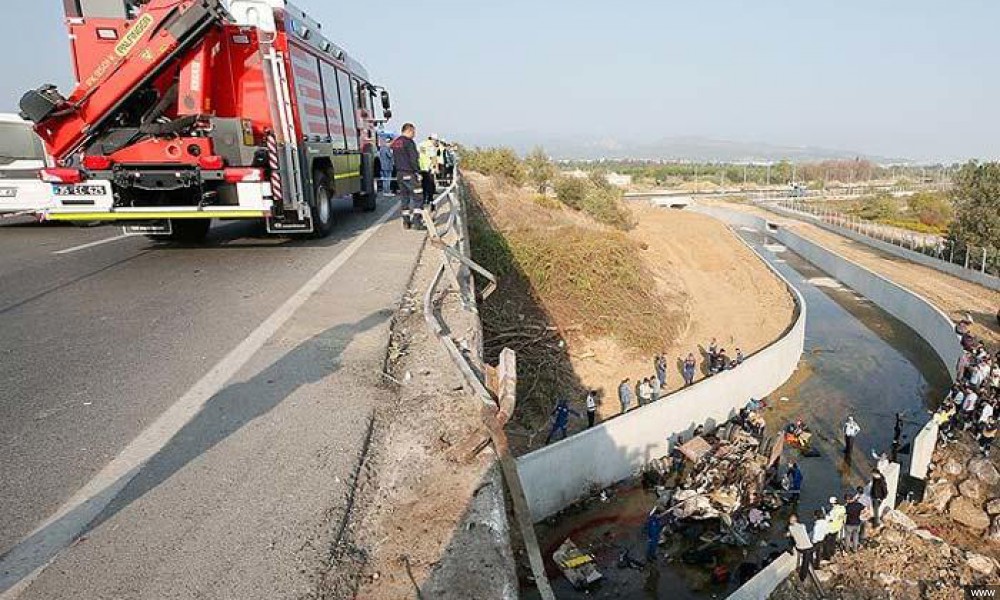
228,411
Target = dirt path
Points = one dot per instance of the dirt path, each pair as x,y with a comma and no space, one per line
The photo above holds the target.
729,294
954,296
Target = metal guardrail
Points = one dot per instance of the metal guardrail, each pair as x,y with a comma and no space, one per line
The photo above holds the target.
985,261
451,237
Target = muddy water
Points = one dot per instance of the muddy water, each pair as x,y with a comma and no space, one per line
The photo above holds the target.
858,360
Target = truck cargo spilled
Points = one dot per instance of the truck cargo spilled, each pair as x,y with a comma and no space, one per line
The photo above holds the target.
858,361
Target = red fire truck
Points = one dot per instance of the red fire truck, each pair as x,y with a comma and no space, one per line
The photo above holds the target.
193,110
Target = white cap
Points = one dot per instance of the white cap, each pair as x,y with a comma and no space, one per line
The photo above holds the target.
833,499
434,136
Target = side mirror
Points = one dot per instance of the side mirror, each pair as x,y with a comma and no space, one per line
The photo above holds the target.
387,113
386,104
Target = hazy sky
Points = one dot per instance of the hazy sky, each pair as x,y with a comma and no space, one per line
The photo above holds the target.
913,78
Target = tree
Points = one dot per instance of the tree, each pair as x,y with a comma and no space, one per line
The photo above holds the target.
931,208
976,198
541,171
880,207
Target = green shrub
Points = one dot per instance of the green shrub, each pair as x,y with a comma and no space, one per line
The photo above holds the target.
572,191
879,208
596,197
499,162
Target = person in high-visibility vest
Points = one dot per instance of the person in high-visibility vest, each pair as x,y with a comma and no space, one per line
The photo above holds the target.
428,164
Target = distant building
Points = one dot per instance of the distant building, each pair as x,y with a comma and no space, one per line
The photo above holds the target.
617,180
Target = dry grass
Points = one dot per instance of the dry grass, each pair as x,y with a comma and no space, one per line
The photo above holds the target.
589,278
564,278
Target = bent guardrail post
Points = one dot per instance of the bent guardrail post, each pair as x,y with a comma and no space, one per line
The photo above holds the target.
496,412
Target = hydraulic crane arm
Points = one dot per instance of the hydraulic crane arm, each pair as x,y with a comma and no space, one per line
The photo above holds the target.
162,31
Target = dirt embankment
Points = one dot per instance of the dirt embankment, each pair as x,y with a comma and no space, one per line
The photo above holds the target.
956,297
688,280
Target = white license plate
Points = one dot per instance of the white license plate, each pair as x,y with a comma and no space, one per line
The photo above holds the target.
78,190
8,192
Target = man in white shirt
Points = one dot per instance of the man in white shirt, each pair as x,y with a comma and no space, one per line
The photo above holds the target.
969,407
851,430
591,408
821,528
986,414
803,545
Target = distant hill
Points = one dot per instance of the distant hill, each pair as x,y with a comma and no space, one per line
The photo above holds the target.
674,148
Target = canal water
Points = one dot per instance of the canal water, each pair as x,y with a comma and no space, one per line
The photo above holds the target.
858,361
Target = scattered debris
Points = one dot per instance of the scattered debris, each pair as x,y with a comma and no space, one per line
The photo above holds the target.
576,565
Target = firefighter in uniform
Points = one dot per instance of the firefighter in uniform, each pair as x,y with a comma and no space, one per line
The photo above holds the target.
406,159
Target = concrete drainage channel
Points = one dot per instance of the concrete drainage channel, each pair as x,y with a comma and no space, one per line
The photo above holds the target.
933,327
556,476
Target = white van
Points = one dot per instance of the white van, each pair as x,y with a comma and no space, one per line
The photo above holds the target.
22,156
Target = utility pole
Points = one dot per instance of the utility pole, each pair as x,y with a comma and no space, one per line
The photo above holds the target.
768,175
744,175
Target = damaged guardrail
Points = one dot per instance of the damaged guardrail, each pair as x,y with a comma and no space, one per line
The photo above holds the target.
451,237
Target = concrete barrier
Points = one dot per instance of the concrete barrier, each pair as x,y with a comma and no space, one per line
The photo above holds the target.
970,275
764,583
923,450
556,476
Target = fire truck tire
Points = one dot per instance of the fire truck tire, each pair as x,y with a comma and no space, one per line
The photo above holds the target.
189,230
323,209
366,202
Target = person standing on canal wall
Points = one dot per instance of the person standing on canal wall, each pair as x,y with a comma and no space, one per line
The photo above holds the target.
591,408
625,394
661,370
689,369
851,430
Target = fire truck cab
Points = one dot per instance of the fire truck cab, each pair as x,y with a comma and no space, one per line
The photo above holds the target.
193,110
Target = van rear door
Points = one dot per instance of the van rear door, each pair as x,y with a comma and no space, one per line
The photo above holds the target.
22,157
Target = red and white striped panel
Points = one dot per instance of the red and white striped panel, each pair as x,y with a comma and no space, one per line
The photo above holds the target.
309,94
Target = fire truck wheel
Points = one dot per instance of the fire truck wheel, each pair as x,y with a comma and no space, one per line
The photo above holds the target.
189,230
365,201
323,210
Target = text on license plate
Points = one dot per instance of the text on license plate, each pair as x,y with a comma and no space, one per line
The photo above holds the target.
79,190
8,192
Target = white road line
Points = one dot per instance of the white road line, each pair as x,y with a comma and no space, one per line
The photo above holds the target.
91,244
22,564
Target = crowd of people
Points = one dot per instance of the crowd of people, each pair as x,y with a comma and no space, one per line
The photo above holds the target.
649,389
403,166
838,526
633,394
972,402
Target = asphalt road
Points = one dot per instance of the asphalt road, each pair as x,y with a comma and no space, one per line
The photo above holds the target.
241,377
